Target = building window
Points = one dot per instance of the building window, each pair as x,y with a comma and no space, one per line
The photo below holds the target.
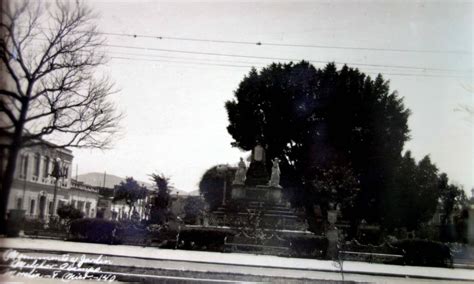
19,203
24,166
46,167
37,161
80,206
88,209
32,207
50,207
65,171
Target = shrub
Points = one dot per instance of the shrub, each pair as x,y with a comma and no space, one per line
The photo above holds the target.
34,224
94,230
369,235
424,253
193,209
55,224
163,236
68,213
129,232
203,239
309,246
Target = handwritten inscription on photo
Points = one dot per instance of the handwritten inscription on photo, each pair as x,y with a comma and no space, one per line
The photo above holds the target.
65,267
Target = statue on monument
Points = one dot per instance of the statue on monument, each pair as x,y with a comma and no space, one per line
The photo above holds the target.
240,174
275,176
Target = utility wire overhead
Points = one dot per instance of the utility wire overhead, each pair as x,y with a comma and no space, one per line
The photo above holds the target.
251,63
259,43
187,58
183,62
281,59
254,64
277,58
250,66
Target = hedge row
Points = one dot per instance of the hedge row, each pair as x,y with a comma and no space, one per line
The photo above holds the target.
308,246
414,251
424,253
203,239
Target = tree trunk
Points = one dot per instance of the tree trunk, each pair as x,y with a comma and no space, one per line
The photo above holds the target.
7,183
14,149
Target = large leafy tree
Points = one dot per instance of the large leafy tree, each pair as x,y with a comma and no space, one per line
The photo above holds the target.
49,88
194,207
452,198
331,185
412,197
307,117
212,184
159,206
130,192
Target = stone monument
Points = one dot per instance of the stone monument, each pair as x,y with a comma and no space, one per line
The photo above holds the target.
263,221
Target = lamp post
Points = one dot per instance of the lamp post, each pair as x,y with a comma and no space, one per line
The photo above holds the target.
57,173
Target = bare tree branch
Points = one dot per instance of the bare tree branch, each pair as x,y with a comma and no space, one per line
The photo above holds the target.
64,101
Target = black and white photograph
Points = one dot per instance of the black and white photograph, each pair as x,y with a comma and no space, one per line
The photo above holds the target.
232,141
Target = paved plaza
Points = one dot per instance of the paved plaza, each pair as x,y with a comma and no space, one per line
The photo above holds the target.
133,262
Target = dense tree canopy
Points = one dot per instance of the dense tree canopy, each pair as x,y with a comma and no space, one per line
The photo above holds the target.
160,202
213,182
452,198
308,117
412,196
194,207
69,213
130,191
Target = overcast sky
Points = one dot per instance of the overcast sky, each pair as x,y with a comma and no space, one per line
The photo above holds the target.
174,101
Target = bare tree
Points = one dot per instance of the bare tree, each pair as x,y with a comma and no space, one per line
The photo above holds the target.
50,54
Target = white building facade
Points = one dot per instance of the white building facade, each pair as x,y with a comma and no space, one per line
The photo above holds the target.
33,186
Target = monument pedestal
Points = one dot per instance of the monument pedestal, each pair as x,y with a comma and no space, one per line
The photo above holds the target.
259,193
261,222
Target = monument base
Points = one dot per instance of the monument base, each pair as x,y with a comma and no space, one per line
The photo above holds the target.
259,193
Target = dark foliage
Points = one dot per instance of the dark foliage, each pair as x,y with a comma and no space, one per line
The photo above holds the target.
68,213
34,224
453,198
194,208
94,230
309,246
333,184
369,235
412,196
129,232
130,191
165,236
212,183
203,239
160,202
424,253
307,117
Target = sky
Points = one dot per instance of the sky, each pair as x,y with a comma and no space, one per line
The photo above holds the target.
176,122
